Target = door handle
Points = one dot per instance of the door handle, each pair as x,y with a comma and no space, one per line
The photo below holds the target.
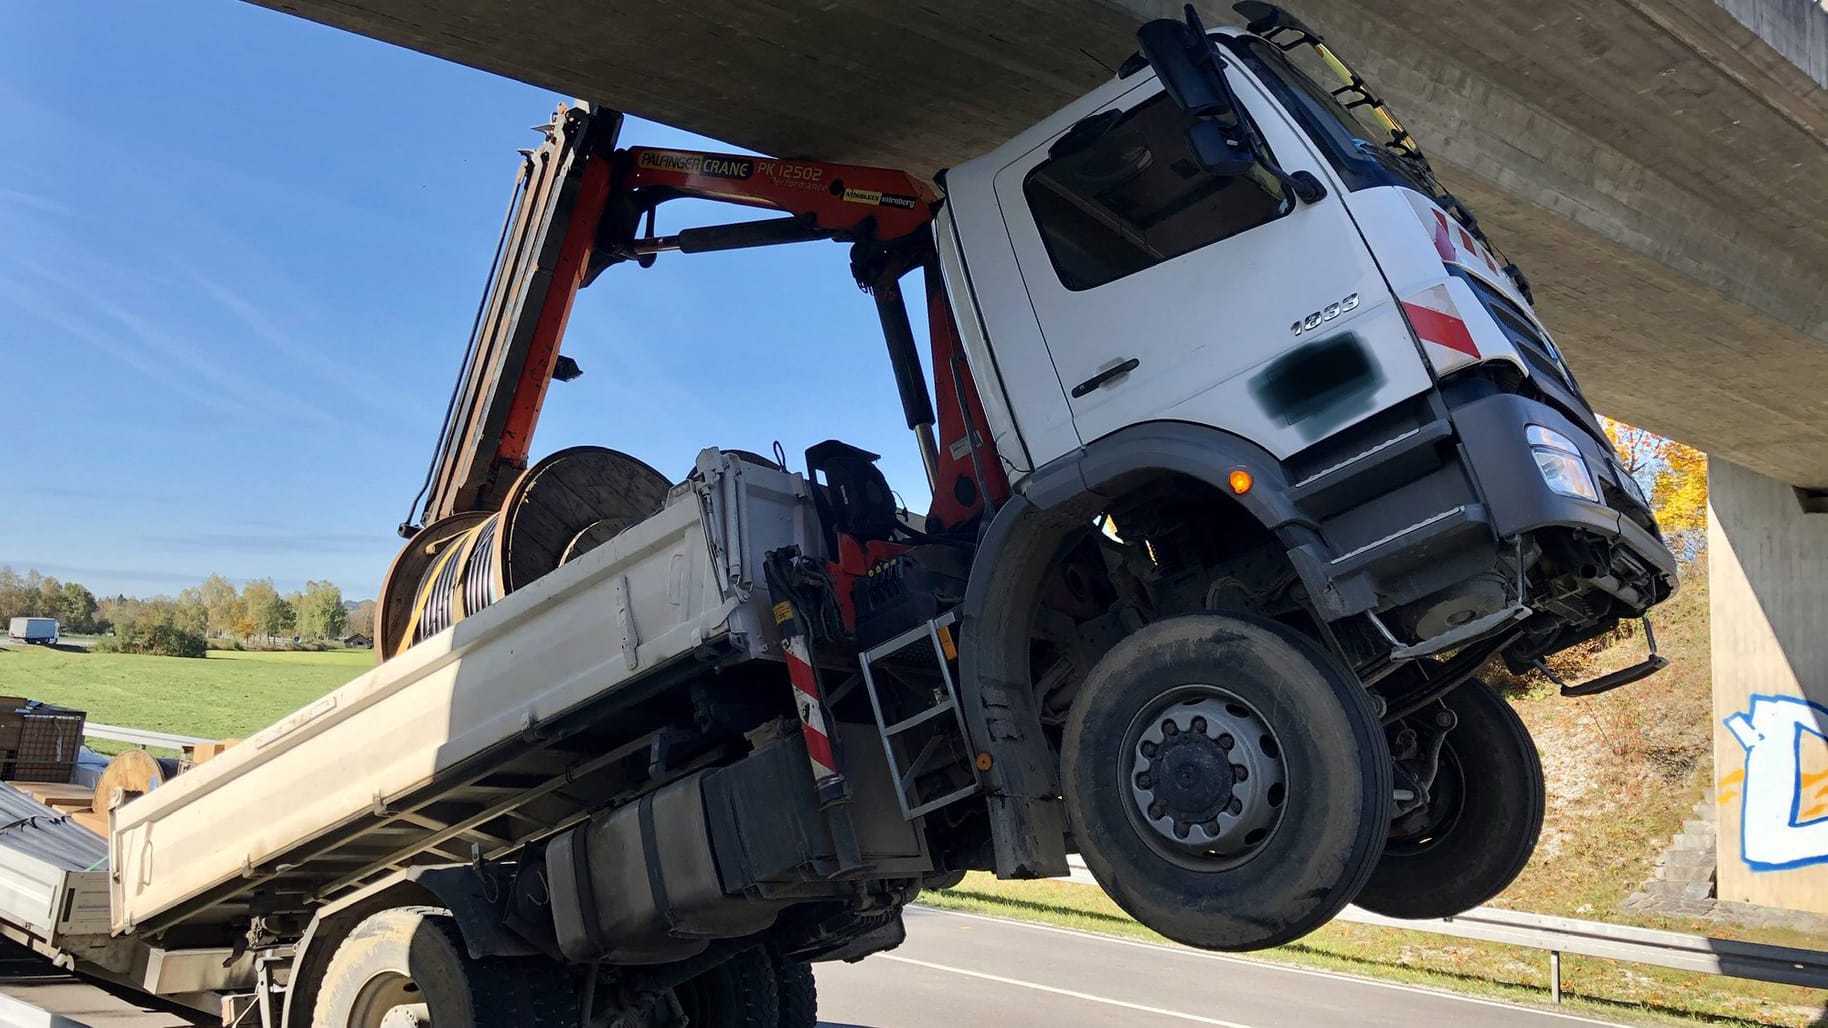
1114,371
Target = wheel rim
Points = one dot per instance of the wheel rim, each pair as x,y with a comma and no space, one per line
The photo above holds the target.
1206,777
1420,830
389,1000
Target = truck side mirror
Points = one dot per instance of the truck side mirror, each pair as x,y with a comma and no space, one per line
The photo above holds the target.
1192,74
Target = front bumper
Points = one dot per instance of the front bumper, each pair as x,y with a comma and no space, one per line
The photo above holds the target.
1518,501
1439,513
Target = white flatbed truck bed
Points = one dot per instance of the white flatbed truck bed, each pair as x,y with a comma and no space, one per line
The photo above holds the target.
468,745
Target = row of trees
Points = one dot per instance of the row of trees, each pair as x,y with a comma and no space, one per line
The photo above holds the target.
35,595
257,610
216,609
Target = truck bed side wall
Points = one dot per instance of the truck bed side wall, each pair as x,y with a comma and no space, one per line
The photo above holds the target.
542,651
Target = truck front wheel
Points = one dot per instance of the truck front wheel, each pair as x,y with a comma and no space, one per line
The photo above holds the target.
408,967
1483,813
1227,780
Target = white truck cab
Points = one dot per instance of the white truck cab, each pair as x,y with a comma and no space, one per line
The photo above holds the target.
1334,345
1223,306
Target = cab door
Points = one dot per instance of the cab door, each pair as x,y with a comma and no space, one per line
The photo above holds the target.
1165,292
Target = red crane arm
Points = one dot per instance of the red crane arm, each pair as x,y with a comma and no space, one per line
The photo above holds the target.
555,312
579,203
837,198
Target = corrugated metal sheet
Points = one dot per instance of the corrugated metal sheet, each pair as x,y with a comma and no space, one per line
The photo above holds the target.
32,829
38,849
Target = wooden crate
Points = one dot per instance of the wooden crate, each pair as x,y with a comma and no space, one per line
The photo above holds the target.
39,742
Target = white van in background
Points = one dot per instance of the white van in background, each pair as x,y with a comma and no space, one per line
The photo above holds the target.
34,630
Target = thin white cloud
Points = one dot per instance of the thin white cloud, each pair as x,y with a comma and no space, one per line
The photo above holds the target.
64,318
273,543
76,573
230,390
104,495
337,373
35,201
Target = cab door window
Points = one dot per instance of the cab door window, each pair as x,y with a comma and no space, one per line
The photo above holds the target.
1135,197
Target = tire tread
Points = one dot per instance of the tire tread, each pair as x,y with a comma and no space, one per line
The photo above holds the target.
799,994
1441,884
1169,899
502,992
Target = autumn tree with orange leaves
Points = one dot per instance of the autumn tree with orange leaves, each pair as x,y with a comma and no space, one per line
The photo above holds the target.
1675,475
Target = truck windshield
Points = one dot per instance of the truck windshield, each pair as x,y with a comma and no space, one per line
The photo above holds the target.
1361,142
1360,137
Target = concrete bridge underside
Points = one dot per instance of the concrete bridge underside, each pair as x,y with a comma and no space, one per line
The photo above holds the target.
1658,169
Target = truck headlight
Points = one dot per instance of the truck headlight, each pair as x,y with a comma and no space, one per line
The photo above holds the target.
1563,468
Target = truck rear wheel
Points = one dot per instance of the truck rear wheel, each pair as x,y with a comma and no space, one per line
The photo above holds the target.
799,994
408,967
1482,820
1227,781
741,992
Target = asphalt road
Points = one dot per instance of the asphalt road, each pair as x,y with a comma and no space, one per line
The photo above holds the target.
959,970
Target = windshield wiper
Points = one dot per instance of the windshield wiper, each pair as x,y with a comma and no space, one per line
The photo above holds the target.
1412,162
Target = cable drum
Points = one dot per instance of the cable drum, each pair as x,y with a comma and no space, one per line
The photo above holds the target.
559,497
560,508
438,600
407,578
593,535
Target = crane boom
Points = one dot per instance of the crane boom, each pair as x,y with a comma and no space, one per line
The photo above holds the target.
578,204
513,348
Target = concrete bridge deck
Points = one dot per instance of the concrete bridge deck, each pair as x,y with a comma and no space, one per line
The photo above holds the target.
1657,167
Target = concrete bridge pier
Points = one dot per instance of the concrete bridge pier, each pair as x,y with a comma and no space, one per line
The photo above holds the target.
1768,594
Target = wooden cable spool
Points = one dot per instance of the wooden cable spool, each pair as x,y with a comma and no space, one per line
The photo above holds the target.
560,508
393,612
134,771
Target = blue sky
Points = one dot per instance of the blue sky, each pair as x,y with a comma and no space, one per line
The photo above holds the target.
239,254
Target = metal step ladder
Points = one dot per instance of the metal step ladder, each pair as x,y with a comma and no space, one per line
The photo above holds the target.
913,694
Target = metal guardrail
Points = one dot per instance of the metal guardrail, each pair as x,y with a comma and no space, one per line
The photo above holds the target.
1558,935
1785,965
141,737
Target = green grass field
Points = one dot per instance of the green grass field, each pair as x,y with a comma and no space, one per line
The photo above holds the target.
227,694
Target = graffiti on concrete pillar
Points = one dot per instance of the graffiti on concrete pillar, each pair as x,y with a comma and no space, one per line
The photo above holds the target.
1783,819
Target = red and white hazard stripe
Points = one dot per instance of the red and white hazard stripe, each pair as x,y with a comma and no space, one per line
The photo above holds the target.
1444,239
1456,245
812,712
1444,334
